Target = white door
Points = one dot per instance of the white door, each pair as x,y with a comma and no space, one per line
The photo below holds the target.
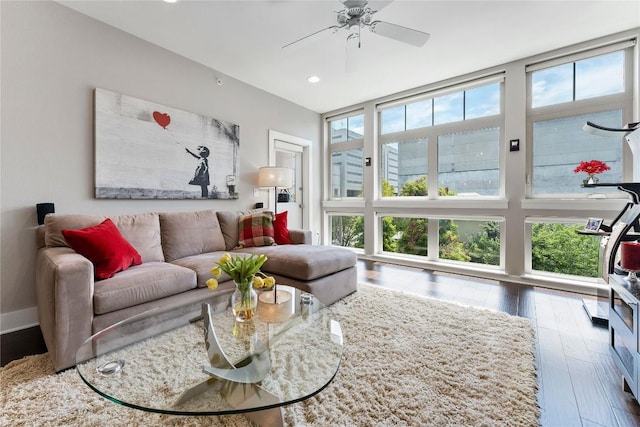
293,152
290,156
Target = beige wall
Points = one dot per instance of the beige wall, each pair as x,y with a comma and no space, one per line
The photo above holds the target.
52,59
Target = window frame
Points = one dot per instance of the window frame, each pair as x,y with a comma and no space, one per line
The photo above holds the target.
528,250
433,245
341,147
619,101
347,213
432,132
513,205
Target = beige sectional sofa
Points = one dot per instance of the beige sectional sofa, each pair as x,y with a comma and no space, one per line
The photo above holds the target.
178,250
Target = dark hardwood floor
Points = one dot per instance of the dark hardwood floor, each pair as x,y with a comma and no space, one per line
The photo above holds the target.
18,344
579,385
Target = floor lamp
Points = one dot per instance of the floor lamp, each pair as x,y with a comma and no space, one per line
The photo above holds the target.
276,177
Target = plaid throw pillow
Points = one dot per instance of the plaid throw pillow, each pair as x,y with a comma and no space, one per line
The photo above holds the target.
256,229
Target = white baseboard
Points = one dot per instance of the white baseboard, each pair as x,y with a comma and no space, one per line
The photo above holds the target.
17,320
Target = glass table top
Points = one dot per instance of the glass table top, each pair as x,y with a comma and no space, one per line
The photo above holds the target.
171,361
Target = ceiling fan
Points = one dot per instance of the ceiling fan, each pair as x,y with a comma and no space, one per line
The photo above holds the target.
357,15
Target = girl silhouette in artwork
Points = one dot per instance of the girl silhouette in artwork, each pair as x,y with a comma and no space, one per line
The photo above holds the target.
201,176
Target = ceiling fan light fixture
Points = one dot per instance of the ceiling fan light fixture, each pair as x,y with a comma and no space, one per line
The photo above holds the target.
313,79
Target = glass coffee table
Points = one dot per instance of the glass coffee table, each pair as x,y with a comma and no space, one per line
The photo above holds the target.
196,360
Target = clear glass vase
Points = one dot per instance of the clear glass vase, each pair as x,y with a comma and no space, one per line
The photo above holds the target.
244,302
591,179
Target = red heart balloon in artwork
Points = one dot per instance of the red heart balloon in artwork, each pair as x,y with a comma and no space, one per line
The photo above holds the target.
163,119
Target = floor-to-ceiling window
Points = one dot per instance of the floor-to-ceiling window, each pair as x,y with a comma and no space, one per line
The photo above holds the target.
346,178
443,144
477,173
564,93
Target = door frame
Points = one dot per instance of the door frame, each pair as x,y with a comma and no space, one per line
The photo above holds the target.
305,144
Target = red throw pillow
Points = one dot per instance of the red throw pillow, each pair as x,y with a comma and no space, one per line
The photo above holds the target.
105,247
281,230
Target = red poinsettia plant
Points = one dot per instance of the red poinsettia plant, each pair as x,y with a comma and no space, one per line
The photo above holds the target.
592,167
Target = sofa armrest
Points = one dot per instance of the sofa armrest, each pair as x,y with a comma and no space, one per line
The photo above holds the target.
301,237
64,292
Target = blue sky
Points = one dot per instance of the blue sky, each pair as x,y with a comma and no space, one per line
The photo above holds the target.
601,75
478,102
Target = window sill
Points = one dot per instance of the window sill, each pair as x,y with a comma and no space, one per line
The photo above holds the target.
604,204
449,202
344,203
595,287
571,285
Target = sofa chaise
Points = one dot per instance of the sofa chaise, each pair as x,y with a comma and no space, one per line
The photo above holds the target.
177,251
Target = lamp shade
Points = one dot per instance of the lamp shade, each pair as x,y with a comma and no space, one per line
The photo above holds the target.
271,176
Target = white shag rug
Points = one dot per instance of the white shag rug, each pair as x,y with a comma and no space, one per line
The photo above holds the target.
407,361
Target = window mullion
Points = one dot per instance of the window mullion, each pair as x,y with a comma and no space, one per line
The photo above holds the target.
574,82
464,105
405,117
433,111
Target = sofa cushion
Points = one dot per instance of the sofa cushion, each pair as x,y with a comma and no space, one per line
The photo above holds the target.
190,233
281,229
304,262
229,225
105,247
255,229
141,230
202,265
55,223
139,284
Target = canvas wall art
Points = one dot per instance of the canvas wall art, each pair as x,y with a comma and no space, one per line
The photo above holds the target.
151,151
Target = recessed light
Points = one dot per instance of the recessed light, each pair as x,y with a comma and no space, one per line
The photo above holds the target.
170,1
313,79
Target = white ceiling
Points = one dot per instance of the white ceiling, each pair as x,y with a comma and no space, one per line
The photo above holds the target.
244,39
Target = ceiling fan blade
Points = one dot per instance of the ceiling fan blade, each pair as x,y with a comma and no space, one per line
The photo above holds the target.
378,5
354,3
399,33
311,38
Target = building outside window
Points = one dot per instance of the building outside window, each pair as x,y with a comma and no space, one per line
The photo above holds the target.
347,140
469,163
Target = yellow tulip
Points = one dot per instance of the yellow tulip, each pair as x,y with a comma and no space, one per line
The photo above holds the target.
258,282
212,284
269,282
225,258
216,271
